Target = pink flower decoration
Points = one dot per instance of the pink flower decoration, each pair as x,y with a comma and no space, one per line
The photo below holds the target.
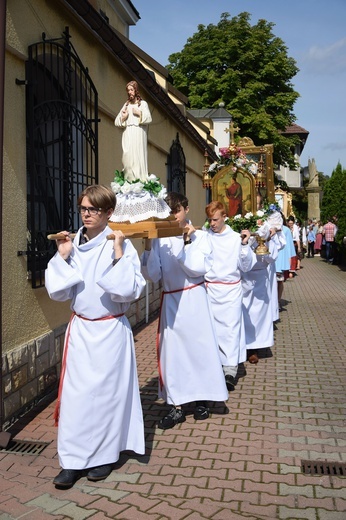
224,152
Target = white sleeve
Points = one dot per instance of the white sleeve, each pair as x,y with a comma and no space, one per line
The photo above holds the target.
196,259
117,120
247,258
145,113
60,278
124,281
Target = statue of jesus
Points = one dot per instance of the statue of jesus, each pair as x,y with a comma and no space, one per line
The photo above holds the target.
134,118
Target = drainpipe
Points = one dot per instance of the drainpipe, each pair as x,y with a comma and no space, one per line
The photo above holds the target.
4,436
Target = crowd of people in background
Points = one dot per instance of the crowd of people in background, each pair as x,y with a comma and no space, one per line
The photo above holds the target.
315,238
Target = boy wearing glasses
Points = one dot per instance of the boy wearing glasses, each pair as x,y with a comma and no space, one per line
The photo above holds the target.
98,407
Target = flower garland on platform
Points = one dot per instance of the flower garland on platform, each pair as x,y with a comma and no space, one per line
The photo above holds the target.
251,221
137,200
270,214
248,221
124,187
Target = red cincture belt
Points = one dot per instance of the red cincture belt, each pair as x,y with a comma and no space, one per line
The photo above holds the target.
63,365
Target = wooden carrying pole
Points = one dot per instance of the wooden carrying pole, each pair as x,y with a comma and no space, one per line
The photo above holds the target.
151,228
131,234
61,236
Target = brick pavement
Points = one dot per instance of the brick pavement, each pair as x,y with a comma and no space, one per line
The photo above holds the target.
242,463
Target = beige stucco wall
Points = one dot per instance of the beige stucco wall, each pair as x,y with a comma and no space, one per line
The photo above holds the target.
25,312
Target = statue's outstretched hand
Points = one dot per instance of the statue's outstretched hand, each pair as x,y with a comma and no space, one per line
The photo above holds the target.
124,114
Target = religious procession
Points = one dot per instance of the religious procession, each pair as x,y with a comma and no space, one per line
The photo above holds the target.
222,283
172,336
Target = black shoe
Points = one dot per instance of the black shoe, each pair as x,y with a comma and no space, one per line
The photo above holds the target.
66,478
230,382
100,472
174,416
241,372
201,411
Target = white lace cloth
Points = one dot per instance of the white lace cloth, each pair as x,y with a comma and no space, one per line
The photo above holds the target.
134,207
275,220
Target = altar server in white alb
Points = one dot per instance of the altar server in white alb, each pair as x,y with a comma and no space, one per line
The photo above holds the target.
232,256
189,363
98,405
275,224
257,284
134,117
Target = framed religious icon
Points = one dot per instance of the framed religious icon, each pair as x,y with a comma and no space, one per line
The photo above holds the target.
246,178
235,189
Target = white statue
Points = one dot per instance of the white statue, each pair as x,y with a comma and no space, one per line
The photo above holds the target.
134,118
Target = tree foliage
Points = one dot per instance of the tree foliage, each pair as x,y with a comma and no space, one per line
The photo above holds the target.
300,202
322,179
334,201
247,68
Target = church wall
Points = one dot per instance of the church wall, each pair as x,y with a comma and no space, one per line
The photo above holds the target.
291,177
34,325
220,134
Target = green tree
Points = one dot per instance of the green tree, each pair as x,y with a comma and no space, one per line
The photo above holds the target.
322,179
334,202
247,68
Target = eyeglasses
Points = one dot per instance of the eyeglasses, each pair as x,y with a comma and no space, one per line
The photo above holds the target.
92,211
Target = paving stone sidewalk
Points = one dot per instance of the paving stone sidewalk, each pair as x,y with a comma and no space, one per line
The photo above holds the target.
242,463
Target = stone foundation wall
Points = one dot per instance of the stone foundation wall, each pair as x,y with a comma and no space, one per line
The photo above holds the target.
29,372
32,371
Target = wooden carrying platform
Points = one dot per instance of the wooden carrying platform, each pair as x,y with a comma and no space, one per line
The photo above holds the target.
151,228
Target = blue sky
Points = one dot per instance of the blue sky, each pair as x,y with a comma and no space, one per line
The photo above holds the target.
314,32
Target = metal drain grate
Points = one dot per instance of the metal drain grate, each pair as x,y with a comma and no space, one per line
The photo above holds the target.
320,467
25,447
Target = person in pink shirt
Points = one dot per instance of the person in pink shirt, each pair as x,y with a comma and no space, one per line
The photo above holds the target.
329,232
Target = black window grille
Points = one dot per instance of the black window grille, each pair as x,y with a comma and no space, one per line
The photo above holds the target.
176,164
62,144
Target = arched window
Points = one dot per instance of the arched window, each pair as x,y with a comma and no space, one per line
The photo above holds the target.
176,165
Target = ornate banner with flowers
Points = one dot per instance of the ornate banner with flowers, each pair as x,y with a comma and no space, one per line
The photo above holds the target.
242,178
238,160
